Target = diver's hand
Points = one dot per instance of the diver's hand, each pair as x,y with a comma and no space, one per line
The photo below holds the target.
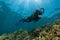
39,16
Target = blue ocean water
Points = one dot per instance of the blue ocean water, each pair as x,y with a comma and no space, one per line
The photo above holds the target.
11,11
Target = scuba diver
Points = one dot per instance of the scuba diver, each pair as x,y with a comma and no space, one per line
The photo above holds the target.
34,17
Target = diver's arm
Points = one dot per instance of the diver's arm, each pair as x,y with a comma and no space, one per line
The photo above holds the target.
40,16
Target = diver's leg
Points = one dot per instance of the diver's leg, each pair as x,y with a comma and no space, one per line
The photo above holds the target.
24,20
27,20
36,19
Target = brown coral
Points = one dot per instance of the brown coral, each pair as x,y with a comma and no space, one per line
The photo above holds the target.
47,32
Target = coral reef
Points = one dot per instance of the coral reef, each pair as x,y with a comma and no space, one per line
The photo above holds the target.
45,32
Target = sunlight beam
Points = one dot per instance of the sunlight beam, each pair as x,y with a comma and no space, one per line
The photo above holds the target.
38,1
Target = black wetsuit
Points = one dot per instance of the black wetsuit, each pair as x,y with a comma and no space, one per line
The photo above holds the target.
33,17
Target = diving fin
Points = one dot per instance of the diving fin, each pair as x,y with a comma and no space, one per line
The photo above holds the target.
19,23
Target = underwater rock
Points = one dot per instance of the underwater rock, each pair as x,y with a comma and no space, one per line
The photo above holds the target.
46,32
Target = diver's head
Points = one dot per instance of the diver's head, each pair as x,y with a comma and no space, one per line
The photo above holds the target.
42,10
